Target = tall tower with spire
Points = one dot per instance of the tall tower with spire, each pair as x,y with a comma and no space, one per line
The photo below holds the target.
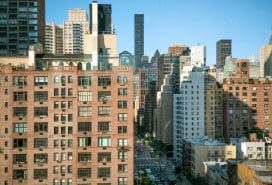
266,58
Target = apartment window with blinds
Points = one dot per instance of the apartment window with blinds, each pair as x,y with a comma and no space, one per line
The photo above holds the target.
20,80
104,141
104,81
85,96
104,111
84,141
20,96
41,96
20,127
122,181
40,80
84,172
84,81
104,126
84,157
104,157
40,142
84,126
103,172
40,174
41,127
84,111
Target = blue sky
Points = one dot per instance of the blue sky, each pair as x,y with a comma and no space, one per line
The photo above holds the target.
191,22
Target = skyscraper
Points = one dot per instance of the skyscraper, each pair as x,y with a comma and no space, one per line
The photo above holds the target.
266,59
104,18
223,49
138,38
53,38
22,24
73,30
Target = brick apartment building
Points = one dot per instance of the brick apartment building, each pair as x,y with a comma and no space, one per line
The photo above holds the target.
246,102
65,125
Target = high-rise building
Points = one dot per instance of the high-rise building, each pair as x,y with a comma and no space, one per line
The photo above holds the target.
246,102
22,25
74,30
138,38
198,56
223,49
53,38
65,121
266,59
104,18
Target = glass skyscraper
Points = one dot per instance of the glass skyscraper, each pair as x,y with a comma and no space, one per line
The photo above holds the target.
22,24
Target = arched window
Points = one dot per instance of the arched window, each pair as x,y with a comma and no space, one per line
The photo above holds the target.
88,66
79,66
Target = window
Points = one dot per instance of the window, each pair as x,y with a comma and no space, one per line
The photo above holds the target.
20,80
41,96
56,104
56,79
84,141
84,81
40,142
122,155
104,111
122,129
70,92
20,111
104,126
20,127
104,81
56,117
70,117
85,96
84,172
56,143
20,96
122,142
19,159
104,157
122,167
70,79
104,141
84,157
104,96
84,126
56,92
40,158
63,92
40,174
20,143
122,117
70,104
122,91
70,169
55,169
40,111
122,80
103,172
122,181
84,111
40,80
122,104
63,79
19,174
70,143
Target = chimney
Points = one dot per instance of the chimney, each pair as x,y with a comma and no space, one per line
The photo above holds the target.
94,34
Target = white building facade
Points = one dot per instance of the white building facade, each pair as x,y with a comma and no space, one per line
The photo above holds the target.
198,56
189,111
